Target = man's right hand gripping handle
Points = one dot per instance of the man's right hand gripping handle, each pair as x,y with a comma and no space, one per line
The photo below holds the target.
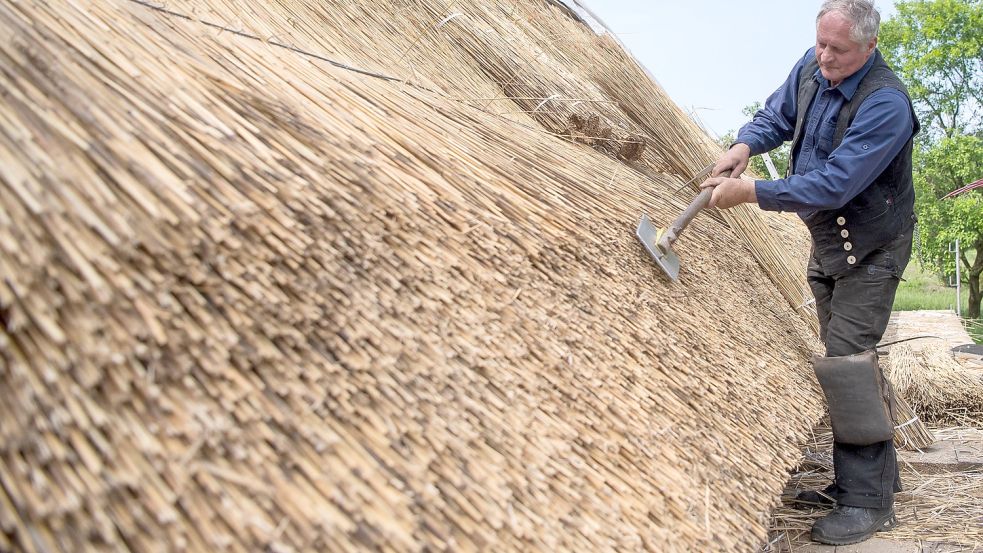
734,160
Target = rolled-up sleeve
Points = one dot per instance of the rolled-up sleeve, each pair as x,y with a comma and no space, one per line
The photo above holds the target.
881,128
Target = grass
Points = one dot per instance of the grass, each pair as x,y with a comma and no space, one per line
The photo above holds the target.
975,328
923,290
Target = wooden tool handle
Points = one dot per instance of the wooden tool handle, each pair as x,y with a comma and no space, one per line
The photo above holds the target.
699,202
681,222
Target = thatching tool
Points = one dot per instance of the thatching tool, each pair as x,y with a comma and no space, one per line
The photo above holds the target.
659,241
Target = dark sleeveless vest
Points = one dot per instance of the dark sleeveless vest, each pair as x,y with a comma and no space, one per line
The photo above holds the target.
881,212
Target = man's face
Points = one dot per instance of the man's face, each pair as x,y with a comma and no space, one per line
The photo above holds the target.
837,53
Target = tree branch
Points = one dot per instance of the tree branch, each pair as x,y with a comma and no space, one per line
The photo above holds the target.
935,112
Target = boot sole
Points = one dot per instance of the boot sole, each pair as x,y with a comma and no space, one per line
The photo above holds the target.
882,526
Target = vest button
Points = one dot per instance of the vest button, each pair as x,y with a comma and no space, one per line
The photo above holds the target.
845,233
840,221
851,260
847,246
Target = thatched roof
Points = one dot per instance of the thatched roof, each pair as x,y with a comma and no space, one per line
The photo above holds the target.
253,299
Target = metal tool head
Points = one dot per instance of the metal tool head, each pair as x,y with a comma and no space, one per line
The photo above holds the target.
649,235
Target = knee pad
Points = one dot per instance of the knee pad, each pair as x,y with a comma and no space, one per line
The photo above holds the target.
860,399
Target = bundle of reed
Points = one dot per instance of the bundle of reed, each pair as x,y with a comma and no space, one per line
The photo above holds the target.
936,384
254,300
910,431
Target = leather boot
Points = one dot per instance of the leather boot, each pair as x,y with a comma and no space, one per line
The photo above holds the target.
812,499
846,524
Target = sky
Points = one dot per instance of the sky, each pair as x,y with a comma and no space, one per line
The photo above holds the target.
714,57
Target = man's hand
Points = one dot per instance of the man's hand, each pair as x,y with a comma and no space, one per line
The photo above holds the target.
728,192
734,160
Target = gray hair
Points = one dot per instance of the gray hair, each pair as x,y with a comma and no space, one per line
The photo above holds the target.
865,18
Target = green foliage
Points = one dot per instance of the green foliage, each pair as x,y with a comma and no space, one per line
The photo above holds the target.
975,329
779,156
950,163
936,47
921,289
943,167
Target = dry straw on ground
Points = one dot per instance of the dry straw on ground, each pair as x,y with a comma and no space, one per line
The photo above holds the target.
252,299
942,511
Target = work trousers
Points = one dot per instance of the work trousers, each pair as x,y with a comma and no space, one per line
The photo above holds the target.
854,310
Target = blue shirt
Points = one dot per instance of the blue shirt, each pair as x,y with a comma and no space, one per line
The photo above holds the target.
824,178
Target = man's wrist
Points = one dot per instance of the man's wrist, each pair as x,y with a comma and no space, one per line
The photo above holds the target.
750,195
764,193
742,145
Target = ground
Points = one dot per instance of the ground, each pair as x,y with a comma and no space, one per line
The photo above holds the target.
941,509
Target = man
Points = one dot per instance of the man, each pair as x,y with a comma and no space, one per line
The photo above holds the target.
851,124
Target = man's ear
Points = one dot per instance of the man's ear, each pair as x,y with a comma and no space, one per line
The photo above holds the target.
871,46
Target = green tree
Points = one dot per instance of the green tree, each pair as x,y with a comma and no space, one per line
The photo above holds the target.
936,47
944,167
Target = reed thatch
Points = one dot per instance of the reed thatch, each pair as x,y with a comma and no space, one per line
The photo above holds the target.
332,276
936,384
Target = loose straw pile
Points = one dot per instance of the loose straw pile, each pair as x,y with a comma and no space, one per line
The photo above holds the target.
937,385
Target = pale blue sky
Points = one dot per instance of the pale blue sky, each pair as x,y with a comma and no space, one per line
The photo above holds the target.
716,56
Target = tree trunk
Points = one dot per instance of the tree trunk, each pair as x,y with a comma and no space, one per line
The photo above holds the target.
975,272
973,311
